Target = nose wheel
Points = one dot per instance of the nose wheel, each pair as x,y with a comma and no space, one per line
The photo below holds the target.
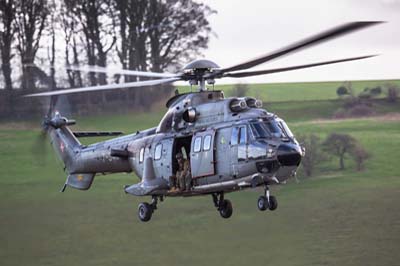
224,206
145,210
267,201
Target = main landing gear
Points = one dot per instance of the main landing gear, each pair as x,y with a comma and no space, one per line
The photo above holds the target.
145,210
224,206
267,201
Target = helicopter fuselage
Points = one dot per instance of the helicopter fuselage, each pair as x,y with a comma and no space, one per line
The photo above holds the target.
230,143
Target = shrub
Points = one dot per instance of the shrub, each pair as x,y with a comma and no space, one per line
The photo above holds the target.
392,93
358,110
340,113
314,153
360,155
240,90
341,91
376,91
361,110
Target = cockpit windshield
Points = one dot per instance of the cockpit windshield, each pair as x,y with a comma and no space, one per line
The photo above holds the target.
271,128
266,129
286,129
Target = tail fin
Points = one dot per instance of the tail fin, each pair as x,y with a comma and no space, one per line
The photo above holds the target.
67,147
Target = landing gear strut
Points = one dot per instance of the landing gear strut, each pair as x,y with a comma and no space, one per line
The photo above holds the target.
145,210
224,206
267,201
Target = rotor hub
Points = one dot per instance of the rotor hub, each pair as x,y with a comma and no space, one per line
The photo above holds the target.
199,72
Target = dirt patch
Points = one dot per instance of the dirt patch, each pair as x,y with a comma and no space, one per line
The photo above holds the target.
392,117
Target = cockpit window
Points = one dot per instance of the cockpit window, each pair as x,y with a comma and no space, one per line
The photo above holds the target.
286,129
266,129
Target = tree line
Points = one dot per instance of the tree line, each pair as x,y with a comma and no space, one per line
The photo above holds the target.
39,37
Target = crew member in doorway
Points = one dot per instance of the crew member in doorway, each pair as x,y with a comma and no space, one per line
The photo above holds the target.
183,175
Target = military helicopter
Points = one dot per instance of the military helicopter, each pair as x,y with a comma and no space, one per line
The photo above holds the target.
231,143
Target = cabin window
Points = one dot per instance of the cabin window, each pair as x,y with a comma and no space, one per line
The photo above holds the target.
157,152
141,155
197,144
235,136
207,143
243,135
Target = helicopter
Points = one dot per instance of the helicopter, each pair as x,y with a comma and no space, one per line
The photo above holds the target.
230,144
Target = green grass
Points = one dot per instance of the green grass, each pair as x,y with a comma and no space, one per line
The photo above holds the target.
337,218
305,91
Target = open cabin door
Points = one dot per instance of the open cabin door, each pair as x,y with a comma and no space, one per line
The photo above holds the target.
202,154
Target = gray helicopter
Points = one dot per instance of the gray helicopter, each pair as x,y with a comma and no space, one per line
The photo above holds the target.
227,144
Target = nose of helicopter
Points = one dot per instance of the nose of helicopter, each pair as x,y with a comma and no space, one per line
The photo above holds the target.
289,154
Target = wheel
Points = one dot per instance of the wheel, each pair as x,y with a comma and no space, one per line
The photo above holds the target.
273,203
226,209
262,203
145,211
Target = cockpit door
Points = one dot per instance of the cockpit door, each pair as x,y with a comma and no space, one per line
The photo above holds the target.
202,154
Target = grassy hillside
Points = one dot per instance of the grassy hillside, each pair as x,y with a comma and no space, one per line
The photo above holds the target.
306,91
336,218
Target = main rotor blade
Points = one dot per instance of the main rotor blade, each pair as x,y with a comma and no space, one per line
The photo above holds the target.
305,43
99,69
104,87
277,70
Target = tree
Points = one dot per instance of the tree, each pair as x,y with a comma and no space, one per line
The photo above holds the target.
240,89
7,30
392,93
157,34
132,51
94,17
68,23
339,145
177,31
341,91
31,18
360,155
376,91
314,153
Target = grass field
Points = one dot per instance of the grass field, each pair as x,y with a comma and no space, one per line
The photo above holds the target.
305,91
336,218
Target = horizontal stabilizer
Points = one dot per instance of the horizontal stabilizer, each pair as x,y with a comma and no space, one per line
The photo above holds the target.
82,134
80,181
156,186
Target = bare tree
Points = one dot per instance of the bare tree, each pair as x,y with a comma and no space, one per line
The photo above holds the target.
339,145
131,50
7,30
314,153
360,155
31,18
68,24
94,19
178,30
